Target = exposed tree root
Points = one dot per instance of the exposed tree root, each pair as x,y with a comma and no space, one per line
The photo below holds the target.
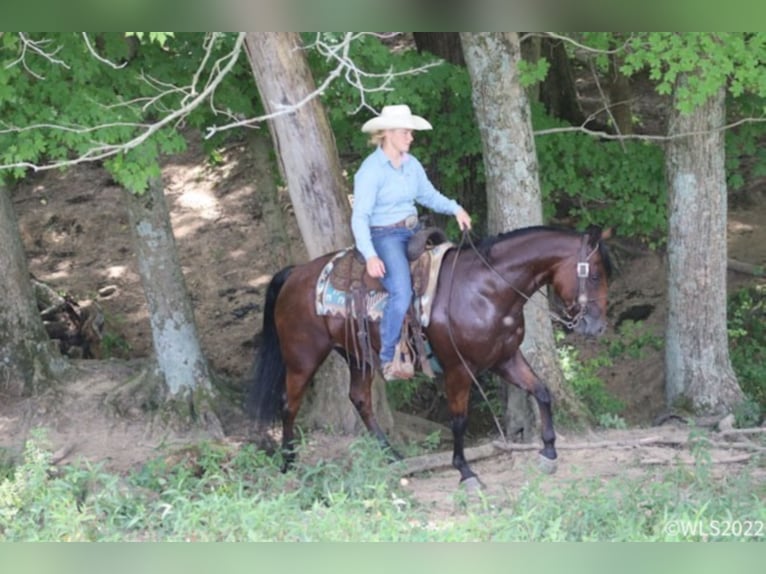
144,395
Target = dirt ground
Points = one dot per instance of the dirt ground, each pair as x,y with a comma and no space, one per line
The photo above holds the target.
75,231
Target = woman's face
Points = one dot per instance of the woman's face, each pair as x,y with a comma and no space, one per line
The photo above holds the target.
399,139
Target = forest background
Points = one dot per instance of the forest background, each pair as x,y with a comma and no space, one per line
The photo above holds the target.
601,111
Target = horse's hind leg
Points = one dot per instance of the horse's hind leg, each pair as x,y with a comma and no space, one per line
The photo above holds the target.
295,385
360,394
517,371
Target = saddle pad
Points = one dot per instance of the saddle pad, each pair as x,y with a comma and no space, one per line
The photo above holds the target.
330,300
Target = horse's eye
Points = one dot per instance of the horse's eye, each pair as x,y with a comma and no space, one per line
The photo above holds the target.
595,277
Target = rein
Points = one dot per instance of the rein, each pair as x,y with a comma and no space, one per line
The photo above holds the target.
476,382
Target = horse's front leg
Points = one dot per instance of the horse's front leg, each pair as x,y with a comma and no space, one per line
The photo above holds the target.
517,371
360,394
457,386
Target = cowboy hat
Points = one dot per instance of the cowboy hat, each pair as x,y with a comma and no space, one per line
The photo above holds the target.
396,117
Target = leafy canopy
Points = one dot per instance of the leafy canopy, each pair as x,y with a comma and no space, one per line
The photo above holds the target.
69,97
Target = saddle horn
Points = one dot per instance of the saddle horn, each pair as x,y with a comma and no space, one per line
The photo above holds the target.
428,237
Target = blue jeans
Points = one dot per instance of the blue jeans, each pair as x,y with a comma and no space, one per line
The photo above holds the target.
391,245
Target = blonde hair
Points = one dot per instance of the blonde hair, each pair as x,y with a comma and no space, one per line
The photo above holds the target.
376,138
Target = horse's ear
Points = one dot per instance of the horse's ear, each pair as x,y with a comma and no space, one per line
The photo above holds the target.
596,234
593,232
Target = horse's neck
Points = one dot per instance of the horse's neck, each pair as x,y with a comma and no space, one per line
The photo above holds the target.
528,262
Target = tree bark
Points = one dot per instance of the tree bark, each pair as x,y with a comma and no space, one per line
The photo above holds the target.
279,249
470,192
698,369
446,45
174,334
28,362
514,200
531,51
620,96
558,92
303,140
309,158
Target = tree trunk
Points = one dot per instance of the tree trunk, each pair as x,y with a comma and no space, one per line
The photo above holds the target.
180,363
558,93
531,51
698,370
446,45
279,249
470,192
513,197
28,362
309,158
620,96
304,142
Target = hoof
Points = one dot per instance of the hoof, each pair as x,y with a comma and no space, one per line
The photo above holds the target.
547,465
392,456
471,484
395,456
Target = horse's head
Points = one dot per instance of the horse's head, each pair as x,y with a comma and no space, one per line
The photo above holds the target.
580,282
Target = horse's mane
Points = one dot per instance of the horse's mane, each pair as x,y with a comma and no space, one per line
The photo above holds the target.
485,245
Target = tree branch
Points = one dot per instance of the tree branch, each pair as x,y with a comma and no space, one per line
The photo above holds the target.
607,107
100,58
344,66
194,96
104,151
37,48
585,47
645,137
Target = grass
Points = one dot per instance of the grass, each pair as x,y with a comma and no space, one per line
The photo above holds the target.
211,493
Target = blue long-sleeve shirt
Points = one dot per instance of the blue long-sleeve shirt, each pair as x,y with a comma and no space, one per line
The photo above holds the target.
384,195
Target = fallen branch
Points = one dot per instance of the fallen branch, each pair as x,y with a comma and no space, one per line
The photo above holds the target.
62,453
742,432
726,460
650,440
444,459
737,446
748,268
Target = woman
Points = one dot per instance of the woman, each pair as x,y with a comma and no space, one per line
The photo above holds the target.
386,187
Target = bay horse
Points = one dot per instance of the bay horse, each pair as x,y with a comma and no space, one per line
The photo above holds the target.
477,325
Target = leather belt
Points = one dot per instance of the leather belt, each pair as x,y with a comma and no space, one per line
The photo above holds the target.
410,222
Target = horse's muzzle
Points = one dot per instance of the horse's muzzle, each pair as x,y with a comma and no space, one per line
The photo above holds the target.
590,326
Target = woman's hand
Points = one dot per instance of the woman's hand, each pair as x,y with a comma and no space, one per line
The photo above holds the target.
375,267
463,219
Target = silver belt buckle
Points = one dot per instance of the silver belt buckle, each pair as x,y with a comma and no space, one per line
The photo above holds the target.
411,222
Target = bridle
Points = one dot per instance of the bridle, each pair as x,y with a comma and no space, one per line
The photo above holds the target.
582,300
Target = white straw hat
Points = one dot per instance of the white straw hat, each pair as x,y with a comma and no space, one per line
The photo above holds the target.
396,117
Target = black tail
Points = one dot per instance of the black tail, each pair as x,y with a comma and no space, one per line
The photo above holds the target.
266,395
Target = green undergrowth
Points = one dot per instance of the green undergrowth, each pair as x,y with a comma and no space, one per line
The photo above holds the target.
747,351
211,492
